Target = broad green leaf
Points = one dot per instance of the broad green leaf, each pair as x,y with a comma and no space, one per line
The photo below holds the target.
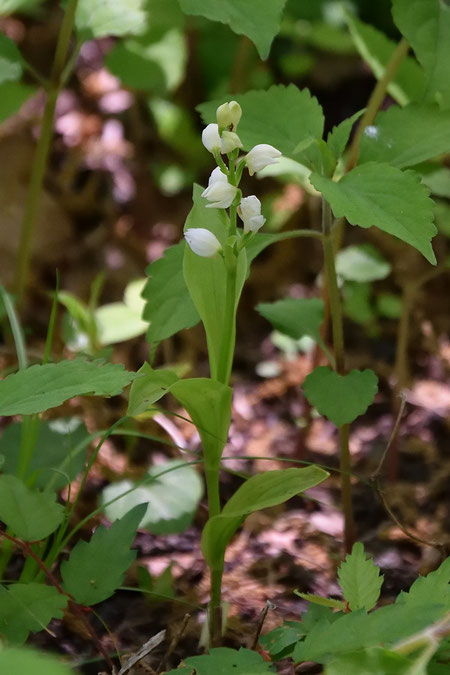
381,195
53,455
99,18
338,137
389,305
320,600
28,607
169,307
426,26
359,579
362,263
206,278
432,588
262,240
406,136
437,179
280,641
38,388
259,20
149,388
281,116
11,6
295,317
30,662
12,97
95,569
120,321
358,630
258,492
172,498
358,304
31,515
377,49
10,60
341,398
225,661
373,661
208,403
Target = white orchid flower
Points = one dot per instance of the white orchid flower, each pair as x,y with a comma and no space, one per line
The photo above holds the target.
211,138
219,191
261,156
249,211
230,141
202,242
228,115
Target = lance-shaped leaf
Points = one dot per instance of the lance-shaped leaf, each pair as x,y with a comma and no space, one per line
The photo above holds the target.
10,60
169,307
281,116
381,195
341,398
426,26
360,579
95,569
98,18
206,279
38,388
30,514
26,608
259,492
20,660
208,402
149,388
295,317
258,19
406,136
377,49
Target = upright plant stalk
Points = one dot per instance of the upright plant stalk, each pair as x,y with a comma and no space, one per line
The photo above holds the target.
339,354
43,149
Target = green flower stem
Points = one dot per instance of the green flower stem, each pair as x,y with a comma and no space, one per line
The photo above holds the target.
339,355
42,150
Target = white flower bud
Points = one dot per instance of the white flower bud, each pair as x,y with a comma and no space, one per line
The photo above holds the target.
219,191
210,138
261,156
228,115
230,141
249,211
202,242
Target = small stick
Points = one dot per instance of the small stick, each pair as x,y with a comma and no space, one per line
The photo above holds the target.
262,618
175,640
374,477
146,648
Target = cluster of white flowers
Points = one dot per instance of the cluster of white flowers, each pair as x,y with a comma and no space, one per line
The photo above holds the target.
223,191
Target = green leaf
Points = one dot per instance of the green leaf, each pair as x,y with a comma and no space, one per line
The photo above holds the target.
206,278
357,302
359,579
362,263
149,388
373,661
28,607
338,137
169,307
341,398
53,456
295,317
381,195
98,18
31,515
321,601
258,20
426,26
281,116
406,136
10,60
30,662
38,388
258,492
389,305
11,6
375,48
224,661
95,569
208,403
172,498
433,588
120,321
280,641
12,97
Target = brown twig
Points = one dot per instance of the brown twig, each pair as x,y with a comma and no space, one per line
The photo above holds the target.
175,640
259,627
146,648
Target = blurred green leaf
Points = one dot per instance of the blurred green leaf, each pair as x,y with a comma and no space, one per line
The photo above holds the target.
30,662
12,97
373,661
359,579
25,608
99,18
30,514
149,387
362,263
383,196
10,60
389,305
357,302
295,317
321,601
172,498
259,20
341,398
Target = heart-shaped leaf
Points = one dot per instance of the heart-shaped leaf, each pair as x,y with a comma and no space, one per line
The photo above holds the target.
341,398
